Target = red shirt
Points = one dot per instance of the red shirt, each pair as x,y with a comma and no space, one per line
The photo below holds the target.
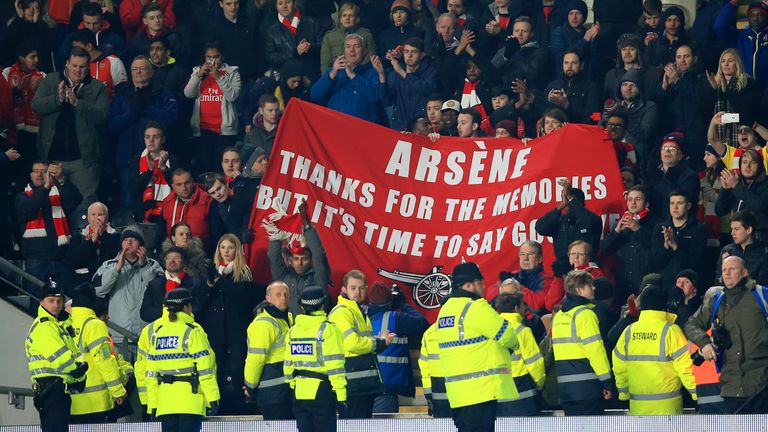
211,98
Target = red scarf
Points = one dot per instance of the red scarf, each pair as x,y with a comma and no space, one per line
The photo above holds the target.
157,189
225,269
503,20
469,98
172,282
643,213
25,117
293,23
36,227
460,20
736,164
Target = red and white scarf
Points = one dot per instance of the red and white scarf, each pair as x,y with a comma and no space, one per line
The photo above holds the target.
88,232
503,20
225,269
282,226
461,19
637,216
293,23
36,227
469,98
157,189
172,282
736,163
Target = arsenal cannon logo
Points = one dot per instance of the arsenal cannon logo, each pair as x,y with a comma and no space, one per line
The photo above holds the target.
428,290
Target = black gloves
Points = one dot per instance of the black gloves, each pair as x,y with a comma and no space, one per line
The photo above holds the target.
213,410
79,371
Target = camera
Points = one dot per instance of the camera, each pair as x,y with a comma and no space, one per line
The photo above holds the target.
697,358
398,298
721,338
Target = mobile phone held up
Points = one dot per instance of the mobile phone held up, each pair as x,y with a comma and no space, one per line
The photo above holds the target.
730,118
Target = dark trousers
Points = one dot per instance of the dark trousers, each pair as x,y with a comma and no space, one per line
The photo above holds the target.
230,361
754,405
91,418
592,407
386,403
359,406
181,422
281,411
317,415
53,405
475,418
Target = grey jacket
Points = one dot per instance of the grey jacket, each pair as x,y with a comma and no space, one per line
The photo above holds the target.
319,274
92,110
229,82
126,291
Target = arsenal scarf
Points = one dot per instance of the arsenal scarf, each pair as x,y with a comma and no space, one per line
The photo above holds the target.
639,216
225,269
503,21
736,164
285,227
469,98
293,23
36,227
172,282
157,188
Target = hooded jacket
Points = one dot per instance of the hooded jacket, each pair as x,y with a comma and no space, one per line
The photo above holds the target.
661,50
633,256
642,115
333,44
194,212
583,96
359,97
229,82
752,44
662,183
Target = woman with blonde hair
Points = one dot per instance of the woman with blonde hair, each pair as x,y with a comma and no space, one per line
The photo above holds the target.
227,312
732,90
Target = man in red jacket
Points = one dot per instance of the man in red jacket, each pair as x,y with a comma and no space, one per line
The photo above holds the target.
189,203
130,14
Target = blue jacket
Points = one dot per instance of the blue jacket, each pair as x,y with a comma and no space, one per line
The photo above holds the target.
394,364
359,97
129,113
409,95
752,44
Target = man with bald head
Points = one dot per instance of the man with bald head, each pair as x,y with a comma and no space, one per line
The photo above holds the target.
93,244
264,381
739,342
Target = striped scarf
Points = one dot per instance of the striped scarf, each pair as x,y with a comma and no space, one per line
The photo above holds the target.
293,23
736,163
705,211
171,282
36,227
225,269
469,98
157,188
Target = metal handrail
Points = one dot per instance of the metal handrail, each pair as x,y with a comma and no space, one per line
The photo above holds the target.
17,395
128,336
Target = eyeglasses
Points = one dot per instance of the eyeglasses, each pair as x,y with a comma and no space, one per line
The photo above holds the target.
671,149
615,125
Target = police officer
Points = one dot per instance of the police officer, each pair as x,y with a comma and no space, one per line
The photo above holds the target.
432,376
527,361
264,380
181,380
140,366
55,364
651,360
314,366
103,388
474,343
583,374
360,347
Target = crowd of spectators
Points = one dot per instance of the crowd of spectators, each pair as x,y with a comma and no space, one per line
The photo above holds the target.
161,115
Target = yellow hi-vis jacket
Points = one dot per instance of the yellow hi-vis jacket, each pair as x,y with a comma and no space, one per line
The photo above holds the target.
526,358
103,383
650,362
474,343
429,364
50,348
314,345
264,363
362,370
582,363
176,349
140,366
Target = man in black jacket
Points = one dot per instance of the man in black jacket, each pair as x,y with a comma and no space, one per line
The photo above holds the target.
746,246
92,245
42,209
672,174
630,242
175,276
577,223
574,92
679,241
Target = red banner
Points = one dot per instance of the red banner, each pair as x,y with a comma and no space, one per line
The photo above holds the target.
406,210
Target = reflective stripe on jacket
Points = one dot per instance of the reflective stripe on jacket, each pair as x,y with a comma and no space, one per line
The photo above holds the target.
651,362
